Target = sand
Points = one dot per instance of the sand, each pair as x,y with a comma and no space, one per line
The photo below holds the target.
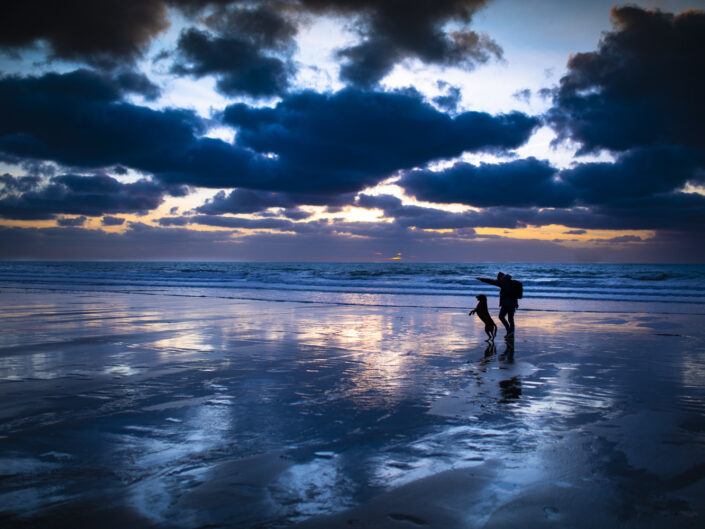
168,411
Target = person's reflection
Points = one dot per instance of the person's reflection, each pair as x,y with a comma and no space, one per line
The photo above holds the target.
509,389
508,353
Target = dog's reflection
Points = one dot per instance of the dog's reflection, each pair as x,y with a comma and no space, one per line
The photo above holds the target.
490,351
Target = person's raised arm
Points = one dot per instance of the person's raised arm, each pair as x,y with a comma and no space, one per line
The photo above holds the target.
488,280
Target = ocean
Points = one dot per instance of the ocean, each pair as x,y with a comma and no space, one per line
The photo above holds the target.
675,289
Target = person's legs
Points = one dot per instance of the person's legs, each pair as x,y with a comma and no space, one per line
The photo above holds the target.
506,316
510,317
503,318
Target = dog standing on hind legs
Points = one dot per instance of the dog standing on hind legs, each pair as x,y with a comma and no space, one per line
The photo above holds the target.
484,314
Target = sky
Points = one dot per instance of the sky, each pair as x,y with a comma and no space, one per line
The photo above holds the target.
353,130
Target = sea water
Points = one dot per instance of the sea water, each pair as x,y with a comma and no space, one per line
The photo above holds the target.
563,287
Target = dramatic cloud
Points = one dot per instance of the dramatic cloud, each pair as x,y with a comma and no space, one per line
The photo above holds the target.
520,183
239,65
638,96
263,25
79,119
341,142
309,143
640,190
23,183
108,32
248,201
138,83
105,32
682,212
113,32
637,173
82,195
436,219
393,31
643,86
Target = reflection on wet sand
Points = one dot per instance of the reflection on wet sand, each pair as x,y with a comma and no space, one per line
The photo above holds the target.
193,412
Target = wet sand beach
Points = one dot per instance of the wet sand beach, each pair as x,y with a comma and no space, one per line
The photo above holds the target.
171,411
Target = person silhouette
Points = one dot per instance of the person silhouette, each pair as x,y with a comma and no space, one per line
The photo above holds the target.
508,303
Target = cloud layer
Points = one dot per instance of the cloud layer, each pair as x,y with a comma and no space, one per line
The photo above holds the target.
642,87
81,195
99,142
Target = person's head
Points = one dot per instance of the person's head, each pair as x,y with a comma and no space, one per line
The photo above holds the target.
500,275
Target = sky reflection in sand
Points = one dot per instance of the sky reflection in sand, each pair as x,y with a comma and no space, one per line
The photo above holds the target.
162,412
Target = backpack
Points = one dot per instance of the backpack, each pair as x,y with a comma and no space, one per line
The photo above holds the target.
516,289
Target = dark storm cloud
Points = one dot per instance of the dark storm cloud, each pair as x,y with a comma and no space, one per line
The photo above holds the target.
393,31
321,143
263,25
643,86
107,220
239,65
21,184
522,183
668,211
436,219
102,32
138,83
78,119
676,211
71,222
82,195
113,32
637,173
683,212
640,189
249,201
345,141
